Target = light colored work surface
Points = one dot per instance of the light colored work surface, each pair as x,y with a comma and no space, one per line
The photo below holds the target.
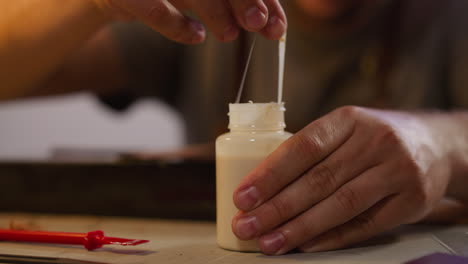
174,242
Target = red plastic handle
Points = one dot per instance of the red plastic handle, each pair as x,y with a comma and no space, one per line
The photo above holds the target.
92,240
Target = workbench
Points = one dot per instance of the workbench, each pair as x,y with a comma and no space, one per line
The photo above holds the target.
162,189
177,241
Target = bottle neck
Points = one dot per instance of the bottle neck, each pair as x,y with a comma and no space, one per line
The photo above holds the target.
256,117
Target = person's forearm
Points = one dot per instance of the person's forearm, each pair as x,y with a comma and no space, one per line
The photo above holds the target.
450,133
36,36
97,67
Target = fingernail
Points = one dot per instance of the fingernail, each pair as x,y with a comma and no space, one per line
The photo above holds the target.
199,30
276,27
270,244
246,227
255,18
230,33
247,198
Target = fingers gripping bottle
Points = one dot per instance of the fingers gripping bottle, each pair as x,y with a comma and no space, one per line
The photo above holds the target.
256,130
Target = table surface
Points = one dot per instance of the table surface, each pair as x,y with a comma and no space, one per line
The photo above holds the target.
174,242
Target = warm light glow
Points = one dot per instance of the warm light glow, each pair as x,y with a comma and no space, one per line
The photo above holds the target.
327,9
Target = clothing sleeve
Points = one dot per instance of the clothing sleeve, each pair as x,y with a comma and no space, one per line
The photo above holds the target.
154,65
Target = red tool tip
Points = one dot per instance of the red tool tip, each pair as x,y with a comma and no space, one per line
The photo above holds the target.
134,242
96,239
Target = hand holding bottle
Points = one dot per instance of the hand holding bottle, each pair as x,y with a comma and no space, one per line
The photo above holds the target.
224,18
346,177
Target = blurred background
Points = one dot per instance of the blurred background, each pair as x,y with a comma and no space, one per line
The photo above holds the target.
34,129
121,87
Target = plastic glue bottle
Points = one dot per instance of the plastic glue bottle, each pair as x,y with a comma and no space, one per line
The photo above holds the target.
256,130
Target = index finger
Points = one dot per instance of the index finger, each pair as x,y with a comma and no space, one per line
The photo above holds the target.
264,16
277,21
294,157
218,18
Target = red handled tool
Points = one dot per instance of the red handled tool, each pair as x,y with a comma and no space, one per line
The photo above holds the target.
91,240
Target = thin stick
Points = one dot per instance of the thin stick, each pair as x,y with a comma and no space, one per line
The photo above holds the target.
244,76
281,62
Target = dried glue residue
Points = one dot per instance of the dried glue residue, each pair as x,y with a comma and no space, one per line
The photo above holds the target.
282,55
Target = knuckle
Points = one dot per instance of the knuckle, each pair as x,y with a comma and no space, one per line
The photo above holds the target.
349,111
308,145
268,173
347,199
412,167
322,177
388,135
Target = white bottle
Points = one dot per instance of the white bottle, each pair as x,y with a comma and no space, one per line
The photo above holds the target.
256,130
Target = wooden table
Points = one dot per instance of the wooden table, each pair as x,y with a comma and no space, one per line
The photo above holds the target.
176,242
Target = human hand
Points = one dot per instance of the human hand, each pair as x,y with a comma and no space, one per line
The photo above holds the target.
344,178
223,17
